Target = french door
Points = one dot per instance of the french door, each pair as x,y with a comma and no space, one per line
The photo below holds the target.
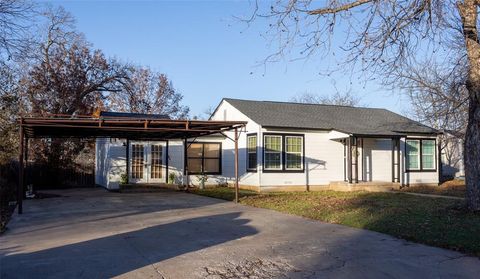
147,162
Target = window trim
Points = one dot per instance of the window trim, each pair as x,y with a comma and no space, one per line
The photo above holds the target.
434,155
280,152
286,153
420,154
283,168
248,153
203,158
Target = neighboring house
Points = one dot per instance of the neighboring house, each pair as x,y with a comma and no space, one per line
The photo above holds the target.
452,155
285,146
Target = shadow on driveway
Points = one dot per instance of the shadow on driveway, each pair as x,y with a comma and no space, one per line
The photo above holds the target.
121,253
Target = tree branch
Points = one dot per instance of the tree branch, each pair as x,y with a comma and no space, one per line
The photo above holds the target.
340,8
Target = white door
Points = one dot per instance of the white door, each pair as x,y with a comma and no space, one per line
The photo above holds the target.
147,162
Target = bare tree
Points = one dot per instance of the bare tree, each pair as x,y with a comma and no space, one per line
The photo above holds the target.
68,77
149,92
381,36
15,23
439,98
438,94
338,98
9,109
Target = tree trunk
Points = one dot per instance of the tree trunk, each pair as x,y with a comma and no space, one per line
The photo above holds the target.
472,156
468,14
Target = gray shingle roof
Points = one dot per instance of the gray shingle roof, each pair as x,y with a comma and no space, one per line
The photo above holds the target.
354,120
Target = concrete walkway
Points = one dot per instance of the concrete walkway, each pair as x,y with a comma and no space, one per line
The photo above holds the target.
97,234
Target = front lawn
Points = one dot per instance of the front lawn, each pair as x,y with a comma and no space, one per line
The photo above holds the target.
433,221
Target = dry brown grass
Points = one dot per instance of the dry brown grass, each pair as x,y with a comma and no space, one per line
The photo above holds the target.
455,188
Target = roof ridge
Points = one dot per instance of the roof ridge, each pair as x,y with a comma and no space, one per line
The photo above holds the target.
306,104
319,116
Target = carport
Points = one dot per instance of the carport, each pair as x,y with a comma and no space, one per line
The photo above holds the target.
64,126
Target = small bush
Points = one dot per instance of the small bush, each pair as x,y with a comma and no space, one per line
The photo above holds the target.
124,178
172,178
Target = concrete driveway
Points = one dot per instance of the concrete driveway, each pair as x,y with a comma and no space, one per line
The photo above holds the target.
91,233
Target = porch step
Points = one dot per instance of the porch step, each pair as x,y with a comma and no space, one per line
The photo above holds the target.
371,186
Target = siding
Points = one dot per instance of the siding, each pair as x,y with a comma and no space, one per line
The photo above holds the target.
227,112
110,162
324,158
323,161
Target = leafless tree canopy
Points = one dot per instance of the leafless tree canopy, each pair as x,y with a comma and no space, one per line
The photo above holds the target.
149,92
338,98
386,37
375,35
15,20
61,73
438,95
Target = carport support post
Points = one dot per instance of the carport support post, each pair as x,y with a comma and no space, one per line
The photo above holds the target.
398,161
356,160
236,165
127,153
25,168
349,160
20,171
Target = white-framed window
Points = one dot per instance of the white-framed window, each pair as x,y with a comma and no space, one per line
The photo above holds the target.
421,154
293,152
272,152
252,152
428,154
413,154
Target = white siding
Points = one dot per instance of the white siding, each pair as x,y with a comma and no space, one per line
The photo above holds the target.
228,155
100,160
175,160
323,161
110,162
324,158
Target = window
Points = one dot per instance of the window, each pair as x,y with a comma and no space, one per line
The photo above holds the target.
252,152
204,158
283,153
413,154
293,152
428,154
420,154
273,152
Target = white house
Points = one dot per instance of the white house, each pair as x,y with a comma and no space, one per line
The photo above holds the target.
284,146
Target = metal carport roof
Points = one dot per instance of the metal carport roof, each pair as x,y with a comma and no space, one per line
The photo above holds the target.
132,128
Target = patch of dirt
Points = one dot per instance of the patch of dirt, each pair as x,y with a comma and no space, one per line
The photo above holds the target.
251,269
